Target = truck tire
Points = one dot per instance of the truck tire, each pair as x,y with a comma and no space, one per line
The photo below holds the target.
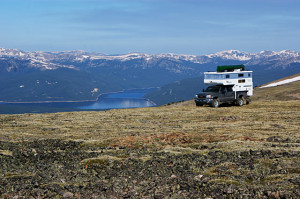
240,101
215,103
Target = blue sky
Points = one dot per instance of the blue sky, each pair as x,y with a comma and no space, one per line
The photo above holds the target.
150,26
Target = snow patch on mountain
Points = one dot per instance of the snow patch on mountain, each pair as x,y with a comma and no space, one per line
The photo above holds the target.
231,54
286,81
38,59
125,57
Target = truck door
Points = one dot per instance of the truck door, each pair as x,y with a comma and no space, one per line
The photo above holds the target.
222,94
229,95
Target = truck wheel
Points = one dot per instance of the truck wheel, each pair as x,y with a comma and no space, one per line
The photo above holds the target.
215,103
240,101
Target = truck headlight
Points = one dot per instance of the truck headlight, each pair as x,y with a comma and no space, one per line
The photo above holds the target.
209,96
196,96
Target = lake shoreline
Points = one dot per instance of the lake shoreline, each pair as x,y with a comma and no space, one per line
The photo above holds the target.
125,99
78,101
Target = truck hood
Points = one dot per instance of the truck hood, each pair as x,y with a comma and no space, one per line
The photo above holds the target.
205,93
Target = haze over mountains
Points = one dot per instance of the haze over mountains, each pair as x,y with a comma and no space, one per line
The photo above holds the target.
79,75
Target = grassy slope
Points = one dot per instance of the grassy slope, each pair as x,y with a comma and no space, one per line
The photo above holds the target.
256,121
178,151
284,92
252,150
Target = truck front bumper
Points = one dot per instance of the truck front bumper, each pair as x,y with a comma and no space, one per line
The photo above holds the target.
203,100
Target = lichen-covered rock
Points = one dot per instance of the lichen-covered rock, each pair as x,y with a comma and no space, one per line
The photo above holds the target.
68,195
67,169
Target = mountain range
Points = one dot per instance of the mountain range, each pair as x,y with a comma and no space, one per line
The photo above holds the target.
79,75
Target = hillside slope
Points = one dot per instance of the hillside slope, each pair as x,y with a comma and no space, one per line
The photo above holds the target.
178,91
176,152
286,80
287,91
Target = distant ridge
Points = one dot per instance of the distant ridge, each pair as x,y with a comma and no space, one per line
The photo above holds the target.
70,59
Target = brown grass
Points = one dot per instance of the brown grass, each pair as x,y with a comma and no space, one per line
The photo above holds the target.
161,126
283,92
173,139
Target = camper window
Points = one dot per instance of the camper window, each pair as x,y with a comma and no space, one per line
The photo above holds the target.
241,81
227,76
241,75
249,74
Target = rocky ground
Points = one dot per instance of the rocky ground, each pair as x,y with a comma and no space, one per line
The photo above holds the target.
175,160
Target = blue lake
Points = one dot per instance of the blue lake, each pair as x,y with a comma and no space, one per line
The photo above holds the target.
119,100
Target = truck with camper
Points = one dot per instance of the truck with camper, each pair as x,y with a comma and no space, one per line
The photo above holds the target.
229,84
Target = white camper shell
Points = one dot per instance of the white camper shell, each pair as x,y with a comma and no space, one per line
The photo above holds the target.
240,79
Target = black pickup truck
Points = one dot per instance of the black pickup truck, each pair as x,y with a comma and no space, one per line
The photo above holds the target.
218,94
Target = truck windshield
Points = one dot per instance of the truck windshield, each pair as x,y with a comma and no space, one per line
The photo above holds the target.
212,89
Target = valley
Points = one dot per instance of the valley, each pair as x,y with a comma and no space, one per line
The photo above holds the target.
78,75
132,98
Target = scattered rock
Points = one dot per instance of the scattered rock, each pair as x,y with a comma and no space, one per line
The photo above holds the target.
198,177
56,169
173,176
68,195
228,190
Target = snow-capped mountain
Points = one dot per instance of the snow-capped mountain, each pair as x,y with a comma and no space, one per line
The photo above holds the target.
70,59
231,55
